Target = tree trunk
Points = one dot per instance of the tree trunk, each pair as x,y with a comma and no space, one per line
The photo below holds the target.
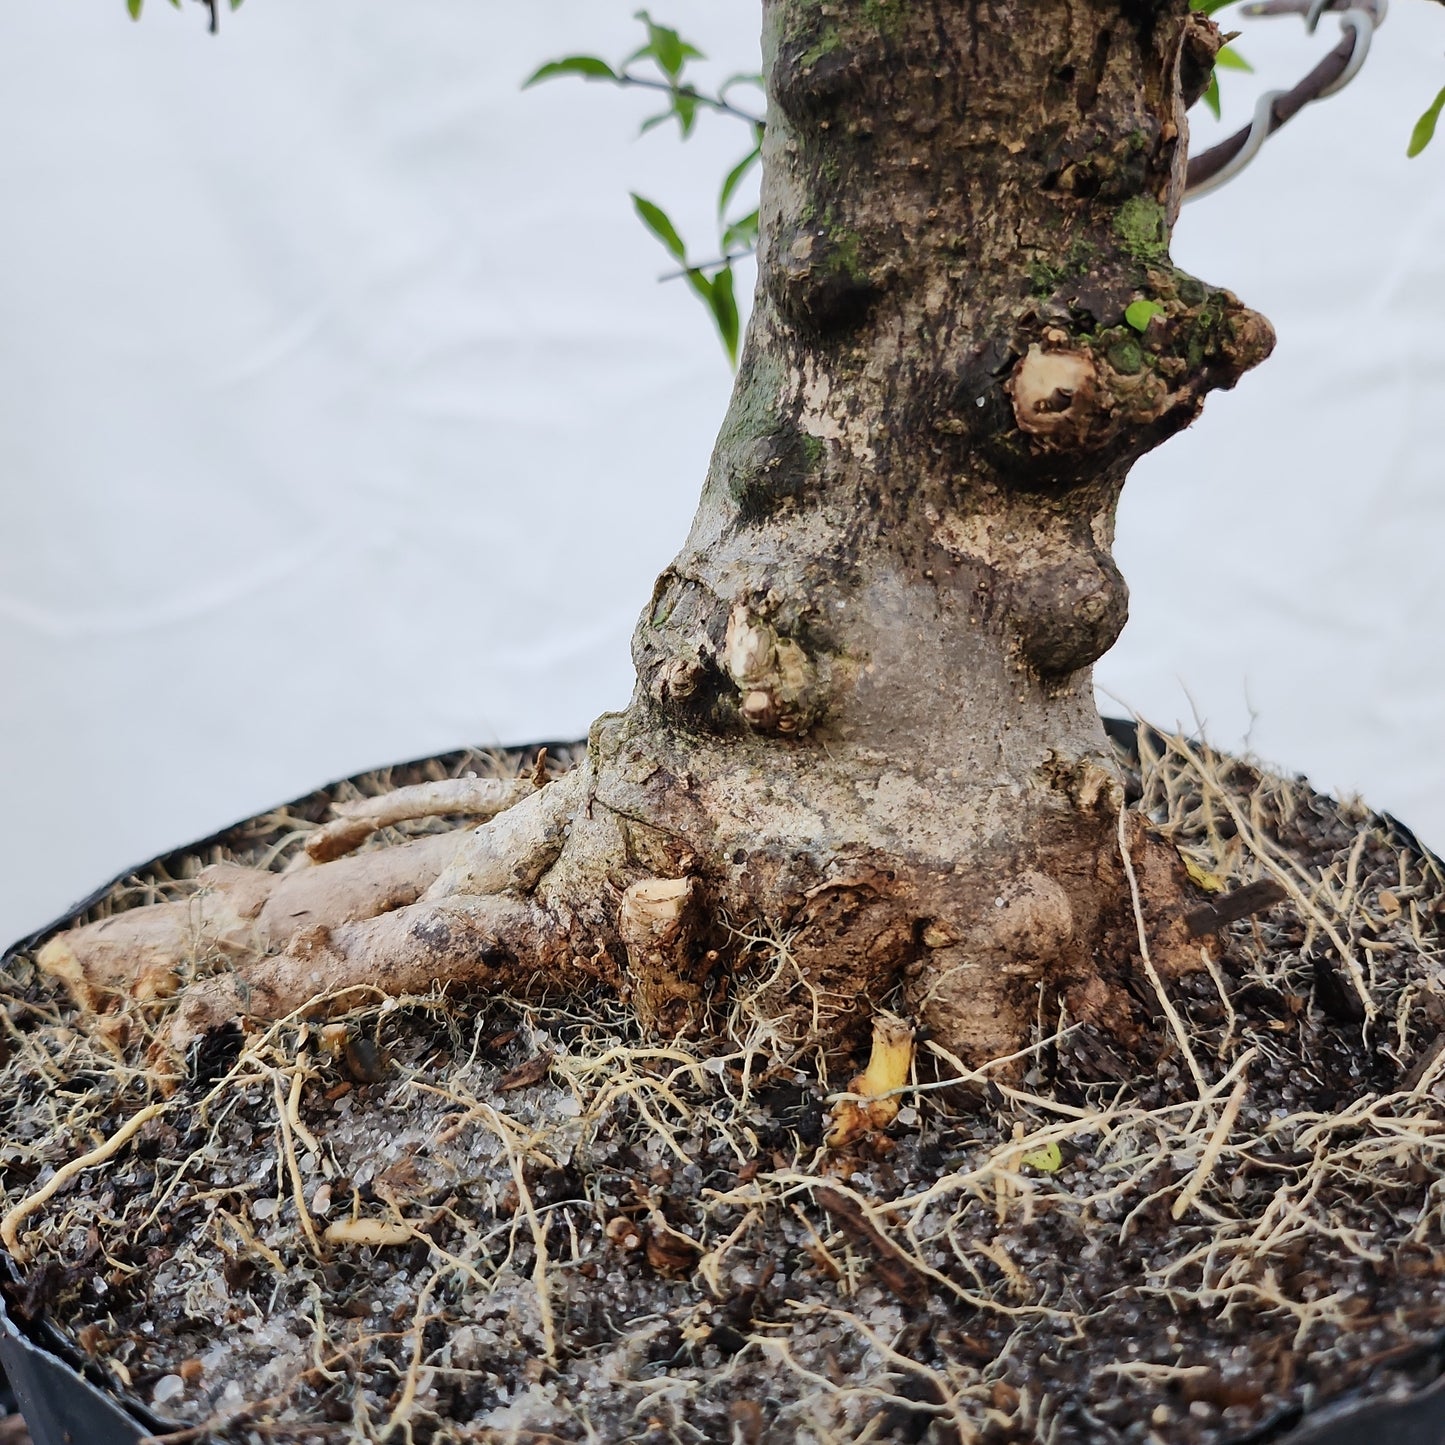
864,714
865,706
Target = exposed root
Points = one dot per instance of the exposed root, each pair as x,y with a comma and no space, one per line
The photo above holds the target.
874,1096
624,1214
514,850
500,942
148,953
357,819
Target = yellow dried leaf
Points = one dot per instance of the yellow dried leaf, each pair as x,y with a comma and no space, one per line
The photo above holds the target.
1048,1160
1201,877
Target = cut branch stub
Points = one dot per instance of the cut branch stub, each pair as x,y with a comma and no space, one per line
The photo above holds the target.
778,684
658,921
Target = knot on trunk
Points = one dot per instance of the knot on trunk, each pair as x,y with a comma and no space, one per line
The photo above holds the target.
1069,614
1168,341
1055,395
819,278
777,680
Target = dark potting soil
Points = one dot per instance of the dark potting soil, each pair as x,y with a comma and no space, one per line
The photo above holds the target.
588,1235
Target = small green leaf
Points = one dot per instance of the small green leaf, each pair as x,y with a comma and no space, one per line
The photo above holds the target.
684,107
134,7
656,221
235,4
742,232
1230,59
735,178
1208,7
587,66
716,293
666,47
1140,313
743,77
1424,131
653,121
1211,96
725,312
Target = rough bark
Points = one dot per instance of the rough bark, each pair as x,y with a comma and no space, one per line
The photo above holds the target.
864,710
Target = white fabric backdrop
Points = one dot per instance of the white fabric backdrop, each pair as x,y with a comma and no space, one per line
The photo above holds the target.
312,330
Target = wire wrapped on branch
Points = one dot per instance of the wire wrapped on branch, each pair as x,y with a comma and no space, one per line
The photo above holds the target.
1358,21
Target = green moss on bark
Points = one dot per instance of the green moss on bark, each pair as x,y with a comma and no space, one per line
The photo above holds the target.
1142,228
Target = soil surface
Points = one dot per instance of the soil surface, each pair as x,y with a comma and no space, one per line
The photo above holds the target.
458,1219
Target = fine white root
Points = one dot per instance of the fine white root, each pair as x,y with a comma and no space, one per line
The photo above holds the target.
357,820
10,1225
1217,1140
1176,1024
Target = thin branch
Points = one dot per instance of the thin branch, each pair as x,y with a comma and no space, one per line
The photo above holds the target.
716,264
713,102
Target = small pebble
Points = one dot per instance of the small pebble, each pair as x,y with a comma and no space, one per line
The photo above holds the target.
167,1388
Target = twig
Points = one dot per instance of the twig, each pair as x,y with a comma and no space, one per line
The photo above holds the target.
717,103
895,1266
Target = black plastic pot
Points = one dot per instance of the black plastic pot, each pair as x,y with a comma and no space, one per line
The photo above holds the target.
59,1404
62,1407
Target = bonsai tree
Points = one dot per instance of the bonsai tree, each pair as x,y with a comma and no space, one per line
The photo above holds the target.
863,714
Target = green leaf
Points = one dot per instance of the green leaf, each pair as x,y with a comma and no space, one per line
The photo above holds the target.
1230,59
235,4
1424,131
1140,313
684,107
1211,96
653,121
735,178
716,293
666,47
656,220
725,312
1208,7
743,77
743,232
587,66
134,7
